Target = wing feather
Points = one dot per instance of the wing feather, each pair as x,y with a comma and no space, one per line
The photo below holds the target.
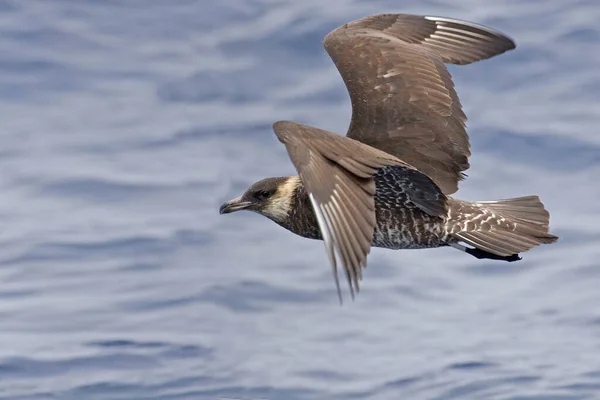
403,97
337,173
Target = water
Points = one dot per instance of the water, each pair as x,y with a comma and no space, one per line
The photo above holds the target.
126,124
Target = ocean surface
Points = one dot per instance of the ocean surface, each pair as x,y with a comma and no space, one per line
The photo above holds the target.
125,124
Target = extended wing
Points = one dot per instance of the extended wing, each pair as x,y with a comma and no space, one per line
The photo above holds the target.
403,98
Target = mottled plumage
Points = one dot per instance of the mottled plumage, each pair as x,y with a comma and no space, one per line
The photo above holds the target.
387,182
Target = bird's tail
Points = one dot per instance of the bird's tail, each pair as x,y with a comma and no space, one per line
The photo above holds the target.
501,228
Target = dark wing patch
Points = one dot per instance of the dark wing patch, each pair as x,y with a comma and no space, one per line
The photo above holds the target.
338,175
423,192
403,98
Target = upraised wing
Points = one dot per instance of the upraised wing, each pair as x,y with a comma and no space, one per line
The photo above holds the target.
403,98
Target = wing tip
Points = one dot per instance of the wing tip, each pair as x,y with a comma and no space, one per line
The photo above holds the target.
507,42
457,41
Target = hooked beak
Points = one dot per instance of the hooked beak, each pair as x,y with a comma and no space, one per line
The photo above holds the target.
234,205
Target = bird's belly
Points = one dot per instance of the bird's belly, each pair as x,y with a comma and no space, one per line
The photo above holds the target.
400,223
406,236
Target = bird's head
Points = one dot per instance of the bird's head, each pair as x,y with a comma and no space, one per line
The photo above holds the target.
271,197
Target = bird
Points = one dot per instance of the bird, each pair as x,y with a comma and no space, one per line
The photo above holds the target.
388,182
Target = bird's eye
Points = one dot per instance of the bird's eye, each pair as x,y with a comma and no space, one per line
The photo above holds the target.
262,194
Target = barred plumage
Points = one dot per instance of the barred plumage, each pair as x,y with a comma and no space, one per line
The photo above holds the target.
387,183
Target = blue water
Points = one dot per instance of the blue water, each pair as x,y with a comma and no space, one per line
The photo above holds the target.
125,124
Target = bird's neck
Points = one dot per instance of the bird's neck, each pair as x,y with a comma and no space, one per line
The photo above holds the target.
301,218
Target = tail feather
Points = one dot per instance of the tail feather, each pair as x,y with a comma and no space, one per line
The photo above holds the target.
502,227
526,209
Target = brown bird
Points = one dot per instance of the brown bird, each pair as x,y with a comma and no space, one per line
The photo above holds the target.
387,183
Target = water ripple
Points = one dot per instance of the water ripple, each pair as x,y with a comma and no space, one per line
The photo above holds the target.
125,124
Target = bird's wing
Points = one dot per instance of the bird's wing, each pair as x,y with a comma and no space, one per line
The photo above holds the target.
337,173
403,98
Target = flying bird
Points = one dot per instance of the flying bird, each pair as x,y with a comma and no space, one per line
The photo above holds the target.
388,182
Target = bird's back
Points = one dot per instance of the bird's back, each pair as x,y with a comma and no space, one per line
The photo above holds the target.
400,223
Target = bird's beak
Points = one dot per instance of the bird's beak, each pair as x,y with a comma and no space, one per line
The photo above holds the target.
234,205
